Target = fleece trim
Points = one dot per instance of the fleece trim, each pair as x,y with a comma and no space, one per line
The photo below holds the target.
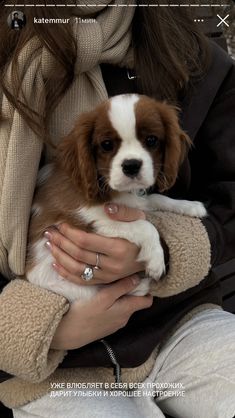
29,318
189,252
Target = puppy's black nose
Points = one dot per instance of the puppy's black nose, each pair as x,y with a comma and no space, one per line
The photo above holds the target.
131,167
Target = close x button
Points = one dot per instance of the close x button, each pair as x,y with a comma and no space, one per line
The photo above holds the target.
223,20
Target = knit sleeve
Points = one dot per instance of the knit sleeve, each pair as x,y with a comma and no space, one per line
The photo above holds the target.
189,252
29,316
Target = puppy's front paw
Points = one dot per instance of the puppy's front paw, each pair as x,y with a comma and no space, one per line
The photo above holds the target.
194,209
142,289
154,261
155,269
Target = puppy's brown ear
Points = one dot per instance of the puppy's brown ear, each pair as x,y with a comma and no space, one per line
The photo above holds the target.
177,143
76,157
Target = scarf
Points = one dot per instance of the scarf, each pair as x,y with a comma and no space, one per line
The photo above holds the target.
107,40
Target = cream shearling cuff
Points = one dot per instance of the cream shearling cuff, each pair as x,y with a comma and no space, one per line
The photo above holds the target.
189,252
29,317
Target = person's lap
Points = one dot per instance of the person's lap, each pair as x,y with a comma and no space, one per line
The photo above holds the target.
199,359
201,356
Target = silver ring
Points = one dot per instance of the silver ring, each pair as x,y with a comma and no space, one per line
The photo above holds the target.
88,273
97,267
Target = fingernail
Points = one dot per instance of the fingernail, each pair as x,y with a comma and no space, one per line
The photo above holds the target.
48,235
48,245
135,280
111,208
55,266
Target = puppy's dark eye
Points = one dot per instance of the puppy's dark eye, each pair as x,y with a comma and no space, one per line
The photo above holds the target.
107,145
152,141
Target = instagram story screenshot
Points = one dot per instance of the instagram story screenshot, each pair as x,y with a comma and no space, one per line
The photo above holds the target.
117,209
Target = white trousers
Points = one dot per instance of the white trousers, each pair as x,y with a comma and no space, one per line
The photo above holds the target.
194,375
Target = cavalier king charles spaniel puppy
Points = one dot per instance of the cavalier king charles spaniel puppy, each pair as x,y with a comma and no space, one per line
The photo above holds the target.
114,153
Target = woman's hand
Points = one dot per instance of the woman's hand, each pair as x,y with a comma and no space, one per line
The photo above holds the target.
108,311
72,249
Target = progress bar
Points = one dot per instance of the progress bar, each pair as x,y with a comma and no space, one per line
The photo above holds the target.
117,5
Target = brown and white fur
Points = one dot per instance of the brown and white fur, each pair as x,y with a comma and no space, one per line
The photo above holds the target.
126,145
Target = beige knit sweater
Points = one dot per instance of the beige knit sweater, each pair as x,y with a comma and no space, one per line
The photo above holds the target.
29,315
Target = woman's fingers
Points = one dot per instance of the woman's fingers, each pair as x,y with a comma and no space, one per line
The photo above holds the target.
118,289
134,303
116,295
70,261
71,269
74,249
123,213
120,262
77,253
89,241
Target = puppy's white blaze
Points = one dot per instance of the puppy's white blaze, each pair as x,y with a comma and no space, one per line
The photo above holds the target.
123,119
122,115
45,276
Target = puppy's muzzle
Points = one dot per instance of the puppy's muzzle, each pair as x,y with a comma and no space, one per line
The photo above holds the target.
131,167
